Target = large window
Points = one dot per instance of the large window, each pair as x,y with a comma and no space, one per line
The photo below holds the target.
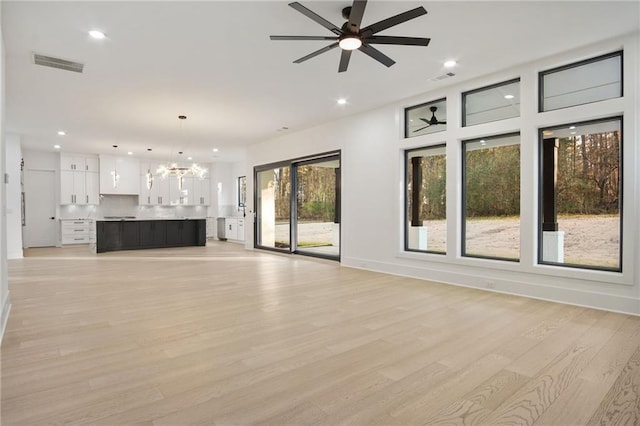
491,213
492,103
584,82
426,118
581,195
426,200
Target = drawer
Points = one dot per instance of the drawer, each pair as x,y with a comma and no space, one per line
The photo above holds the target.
76,239
75,226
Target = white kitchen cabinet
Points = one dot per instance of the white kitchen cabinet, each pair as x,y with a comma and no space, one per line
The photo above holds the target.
241,222
78,162
91,164
231,228
181,196
72,187
201,192
92,186
78,179
77,231
127,170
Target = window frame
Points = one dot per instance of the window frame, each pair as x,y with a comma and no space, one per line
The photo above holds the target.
481,89
406,199
463,201
541,206
422,105
578,64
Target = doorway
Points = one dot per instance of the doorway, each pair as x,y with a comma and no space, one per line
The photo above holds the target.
298,206
40,225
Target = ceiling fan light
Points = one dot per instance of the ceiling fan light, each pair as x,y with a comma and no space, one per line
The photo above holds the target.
350,43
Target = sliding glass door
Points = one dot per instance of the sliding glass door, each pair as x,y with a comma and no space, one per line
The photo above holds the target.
298,206
273,214
317,211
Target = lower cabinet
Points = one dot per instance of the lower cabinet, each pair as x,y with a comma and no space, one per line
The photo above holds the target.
153,233
141,234
80,231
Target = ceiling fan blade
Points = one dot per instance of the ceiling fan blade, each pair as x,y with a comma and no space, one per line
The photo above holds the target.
442,122
426,120
316,18
316,53
394,20
275,37
405,41
376,54
421,128
355,17
344,60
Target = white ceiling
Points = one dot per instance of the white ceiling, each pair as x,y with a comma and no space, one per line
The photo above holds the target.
213,61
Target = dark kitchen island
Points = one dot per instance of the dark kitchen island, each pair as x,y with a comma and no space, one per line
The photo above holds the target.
134,234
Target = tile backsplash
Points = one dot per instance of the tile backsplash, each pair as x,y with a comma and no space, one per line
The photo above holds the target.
127,205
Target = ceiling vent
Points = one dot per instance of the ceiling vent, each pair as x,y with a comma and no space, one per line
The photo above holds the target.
443,76
49,61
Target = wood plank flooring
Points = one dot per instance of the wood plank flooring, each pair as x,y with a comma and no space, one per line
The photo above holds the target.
222,336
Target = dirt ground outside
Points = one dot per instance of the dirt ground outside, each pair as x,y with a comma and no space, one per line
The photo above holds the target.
588,240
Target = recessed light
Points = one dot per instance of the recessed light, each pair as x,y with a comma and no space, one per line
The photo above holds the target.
573,133
342,101
56,146
129,153
61,133
450,63
215,150
115,146
508,96
572,127
483,142
189,158
98,35
149,149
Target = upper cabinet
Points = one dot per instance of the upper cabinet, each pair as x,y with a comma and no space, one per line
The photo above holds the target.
167,191
78,179
119,175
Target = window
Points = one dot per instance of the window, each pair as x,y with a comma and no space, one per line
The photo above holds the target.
426,200
426,118
581,195
491,103
584,82
491,196
242,191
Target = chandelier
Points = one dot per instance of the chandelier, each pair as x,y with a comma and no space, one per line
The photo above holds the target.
173,169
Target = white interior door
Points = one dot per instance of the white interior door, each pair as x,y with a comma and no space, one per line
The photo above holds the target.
41,226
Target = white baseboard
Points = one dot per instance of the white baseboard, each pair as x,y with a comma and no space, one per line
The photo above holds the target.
15,255
535,290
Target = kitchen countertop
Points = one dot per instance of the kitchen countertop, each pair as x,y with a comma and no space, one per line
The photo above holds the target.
139,219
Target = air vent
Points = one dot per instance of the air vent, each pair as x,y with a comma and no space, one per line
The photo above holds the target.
443,76
49,61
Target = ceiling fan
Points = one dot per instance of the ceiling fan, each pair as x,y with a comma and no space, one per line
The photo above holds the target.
351,37
433,121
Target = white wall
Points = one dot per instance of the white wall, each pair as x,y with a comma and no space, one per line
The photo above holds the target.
224,187
13,157
372,147
5,300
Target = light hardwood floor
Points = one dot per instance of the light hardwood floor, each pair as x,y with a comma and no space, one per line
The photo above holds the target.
219,335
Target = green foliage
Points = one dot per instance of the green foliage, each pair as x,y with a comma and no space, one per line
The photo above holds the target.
588,179
589,174
493,181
